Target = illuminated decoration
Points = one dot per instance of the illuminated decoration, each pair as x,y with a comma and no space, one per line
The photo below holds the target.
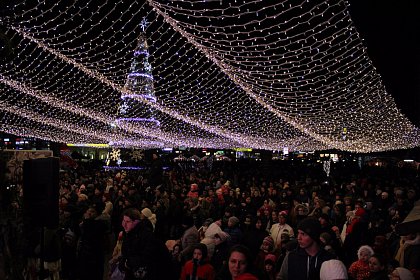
103,146
242,150
138,86
115,154
137,155
226,74
327,167
123,167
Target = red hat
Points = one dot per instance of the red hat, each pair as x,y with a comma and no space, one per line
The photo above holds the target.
360,212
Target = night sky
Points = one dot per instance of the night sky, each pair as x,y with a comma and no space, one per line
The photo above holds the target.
391,33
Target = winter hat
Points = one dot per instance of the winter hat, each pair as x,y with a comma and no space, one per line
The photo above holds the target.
270,258
333,270
233,220
404,273
360,212
283,214
269,241
311,227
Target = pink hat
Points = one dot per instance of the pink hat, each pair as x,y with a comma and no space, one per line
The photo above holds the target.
270,258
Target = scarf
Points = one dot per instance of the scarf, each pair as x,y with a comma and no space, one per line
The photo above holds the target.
399,257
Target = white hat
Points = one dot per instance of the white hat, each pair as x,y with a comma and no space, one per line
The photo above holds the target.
333,270
404,273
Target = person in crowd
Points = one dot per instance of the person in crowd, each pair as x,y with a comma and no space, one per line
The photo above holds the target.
308,255
333,270
146,213
142,255
221,250
234,231
210,231
380,246
189,238
408,254
156,171
278,228
91,253
359,270
267,247
377,268
198,267
269,267
238,265
254,235
401,273
356,235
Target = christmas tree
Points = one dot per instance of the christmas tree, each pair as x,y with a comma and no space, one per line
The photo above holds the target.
138,87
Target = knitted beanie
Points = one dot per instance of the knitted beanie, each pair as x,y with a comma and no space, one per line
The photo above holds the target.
269,241
333,270
404,273
311,227
270,258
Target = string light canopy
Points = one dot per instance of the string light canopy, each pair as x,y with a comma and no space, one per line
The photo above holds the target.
221,74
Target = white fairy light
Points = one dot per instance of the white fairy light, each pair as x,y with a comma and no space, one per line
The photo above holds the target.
225,75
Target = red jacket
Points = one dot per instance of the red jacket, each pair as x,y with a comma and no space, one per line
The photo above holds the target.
204,271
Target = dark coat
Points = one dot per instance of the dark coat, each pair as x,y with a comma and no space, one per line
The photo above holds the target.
92,249
299,265
144,256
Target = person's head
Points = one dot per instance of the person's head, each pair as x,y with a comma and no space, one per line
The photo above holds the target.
401,273
301,210
239,260
200,252
309,231
324,219
364,253
267,244
282,217
90,213
233,222
376,263
131,218
269,262
176,249
146,213
333,270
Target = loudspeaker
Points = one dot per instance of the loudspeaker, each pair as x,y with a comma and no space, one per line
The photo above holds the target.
40,191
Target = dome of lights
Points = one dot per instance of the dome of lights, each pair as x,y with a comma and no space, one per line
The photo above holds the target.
216,74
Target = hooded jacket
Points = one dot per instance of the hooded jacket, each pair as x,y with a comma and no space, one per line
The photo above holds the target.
299,265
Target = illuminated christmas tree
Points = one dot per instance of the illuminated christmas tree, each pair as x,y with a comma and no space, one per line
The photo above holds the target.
138,87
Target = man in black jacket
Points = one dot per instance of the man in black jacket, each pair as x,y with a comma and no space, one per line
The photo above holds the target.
305,262
143,256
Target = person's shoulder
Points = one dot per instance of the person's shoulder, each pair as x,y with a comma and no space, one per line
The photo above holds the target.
325,255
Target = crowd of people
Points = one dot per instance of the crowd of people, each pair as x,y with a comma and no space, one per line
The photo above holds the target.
231,221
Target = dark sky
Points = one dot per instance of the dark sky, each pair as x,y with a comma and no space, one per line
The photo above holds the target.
391,33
